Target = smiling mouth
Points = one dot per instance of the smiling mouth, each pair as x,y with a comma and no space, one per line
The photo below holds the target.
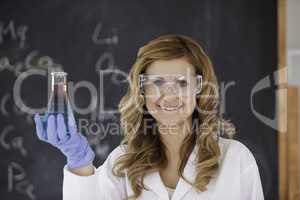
171,108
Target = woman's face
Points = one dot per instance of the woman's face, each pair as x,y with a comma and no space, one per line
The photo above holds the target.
170,90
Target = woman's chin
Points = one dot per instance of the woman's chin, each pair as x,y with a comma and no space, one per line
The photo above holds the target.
170,122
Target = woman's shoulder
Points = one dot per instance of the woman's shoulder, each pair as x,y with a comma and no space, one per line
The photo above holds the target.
237,152
115,154
226,143
118,151
106,169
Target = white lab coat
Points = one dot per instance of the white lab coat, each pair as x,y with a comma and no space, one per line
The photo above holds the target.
237,179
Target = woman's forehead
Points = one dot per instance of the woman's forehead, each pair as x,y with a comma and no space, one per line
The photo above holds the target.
177,66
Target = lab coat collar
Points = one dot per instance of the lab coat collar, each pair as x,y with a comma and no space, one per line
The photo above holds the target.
154,182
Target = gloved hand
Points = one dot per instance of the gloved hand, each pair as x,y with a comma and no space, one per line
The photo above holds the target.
66,138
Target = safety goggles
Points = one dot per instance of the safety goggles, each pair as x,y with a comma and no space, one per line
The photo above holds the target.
154,85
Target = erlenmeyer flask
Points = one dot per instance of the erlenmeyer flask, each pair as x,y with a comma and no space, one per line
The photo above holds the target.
58,97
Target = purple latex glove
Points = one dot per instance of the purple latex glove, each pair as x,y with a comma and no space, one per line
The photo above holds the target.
71,143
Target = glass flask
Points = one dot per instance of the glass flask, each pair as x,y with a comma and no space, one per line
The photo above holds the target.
58,97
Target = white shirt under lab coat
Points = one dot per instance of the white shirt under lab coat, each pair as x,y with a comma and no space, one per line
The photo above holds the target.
238,178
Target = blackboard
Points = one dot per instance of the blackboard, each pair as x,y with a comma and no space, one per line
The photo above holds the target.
82,37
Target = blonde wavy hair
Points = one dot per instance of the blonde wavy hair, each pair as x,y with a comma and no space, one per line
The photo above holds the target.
145,152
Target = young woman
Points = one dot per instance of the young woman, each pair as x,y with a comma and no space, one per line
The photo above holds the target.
172,147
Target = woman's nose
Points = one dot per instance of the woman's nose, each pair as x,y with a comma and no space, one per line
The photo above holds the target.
170,96
170,89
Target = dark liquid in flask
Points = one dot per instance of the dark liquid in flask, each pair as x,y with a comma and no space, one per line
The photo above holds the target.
59,102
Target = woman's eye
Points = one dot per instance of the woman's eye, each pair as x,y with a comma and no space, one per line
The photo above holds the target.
158,82
183,83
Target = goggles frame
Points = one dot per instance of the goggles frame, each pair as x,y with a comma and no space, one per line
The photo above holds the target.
199,79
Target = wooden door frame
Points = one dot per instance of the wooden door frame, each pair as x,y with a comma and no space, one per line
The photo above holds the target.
288,114
281,99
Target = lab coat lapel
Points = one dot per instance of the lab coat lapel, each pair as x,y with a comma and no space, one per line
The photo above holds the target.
153,182
189,173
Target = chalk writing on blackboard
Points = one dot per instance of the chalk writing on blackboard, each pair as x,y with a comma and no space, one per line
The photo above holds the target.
16,143
4,100
99,39
18,181
32,60
16,33
7,111
107,58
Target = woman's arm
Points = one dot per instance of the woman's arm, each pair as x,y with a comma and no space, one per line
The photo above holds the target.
83,171
251,187
93,183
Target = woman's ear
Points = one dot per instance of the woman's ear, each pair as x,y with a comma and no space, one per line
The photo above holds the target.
142,97
199,85
198,91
